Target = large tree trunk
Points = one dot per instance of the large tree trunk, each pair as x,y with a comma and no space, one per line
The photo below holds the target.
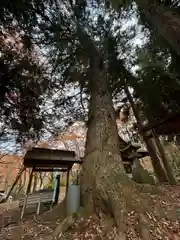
164,20
104,184
102,156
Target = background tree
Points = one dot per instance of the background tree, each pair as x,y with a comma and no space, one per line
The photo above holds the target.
23,80
162,16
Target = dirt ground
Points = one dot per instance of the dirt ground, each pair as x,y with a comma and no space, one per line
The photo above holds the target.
42,227
31,227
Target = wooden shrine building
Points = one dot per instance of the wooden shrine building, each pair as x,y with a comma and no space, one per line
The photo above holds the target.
44,160
130,154
48,160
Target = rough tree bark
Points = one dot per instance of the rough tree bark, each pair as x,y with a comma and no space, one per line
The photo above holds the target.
102,155
163,19
104,184
158,169
167,166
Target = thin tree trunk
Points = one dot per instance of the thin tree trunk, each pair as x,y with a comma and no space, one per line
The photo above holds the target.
159,171
164,20
167,166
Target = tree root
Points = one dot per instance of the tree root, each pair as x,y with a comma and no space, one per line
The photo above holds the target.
150,206
58,212
139,211
150,189
67,223
133,225
144,228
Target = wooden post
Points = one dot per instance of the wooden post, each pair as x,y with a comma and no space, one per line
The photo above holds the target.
39,206
14,184
67,181
26,196
166,164
56,199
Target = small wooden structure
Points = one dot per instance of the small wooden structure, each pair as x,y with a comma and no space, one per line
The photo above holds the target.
130,154
48,160
45,160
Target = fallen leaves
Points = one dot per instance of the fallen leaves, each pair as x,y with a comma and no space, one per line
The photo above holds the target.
94,227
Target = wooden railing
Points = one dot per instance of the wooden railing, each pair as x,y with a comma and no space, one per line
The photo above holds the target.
35,199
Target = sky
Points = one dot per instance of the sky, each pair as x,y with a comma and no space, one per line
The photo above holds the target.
8,144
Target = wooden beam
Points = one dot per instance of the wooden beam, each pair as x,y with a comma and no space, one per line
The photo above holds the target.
33,162
27,192
165,126
54,151
44,154
50,170
67,181
127,163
